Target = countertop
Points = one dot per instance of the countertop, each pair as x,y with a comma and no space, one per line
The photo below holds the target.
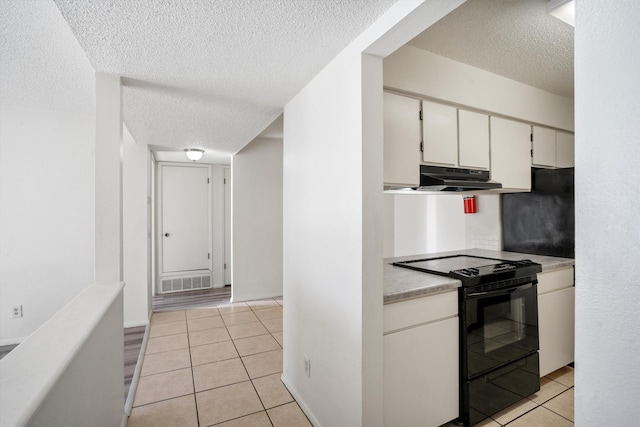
402,284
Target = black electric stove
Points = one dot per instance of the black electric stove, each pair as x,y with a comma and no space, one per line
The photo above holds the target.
498,324
473,270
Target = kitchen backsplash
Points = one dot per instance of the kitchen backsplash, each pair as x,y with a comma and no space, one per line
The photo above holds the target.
486,241
422,224
483,229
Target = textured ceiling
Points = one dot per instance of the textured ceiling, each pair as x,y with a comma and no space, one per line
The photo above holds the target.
513,38
41,63
213,74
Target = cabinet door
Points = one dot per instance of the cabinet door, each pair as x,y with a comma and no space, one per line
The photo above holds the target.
401,140
473,140
439,134
565,150
544,147
511,153
556,323
421,375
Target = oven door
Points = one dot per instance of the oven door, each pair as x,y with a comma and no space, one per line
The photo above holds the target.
497,327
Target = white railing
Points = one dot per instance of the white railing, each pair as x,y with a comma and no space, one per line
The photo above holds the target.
70,371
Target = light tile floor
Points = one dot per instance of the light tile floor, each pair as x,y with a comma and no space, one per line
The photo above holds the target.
217,366
552,406
221,366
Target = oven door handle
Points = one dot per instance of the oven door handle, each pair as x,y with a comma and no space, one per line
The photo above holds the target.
501,291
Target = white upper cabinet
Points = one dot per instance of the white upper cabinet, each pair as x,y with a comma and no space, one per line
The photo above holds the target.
461,138
402,139
440,134
553,149
565,150
544,147
511,153
473,140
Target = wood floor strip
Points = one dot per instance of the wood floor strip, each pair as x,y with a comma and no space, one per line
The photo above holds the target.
191,299
6,349
132,343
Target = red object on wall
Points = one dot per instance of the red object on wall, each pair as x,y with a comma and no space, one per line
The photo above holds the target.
469,204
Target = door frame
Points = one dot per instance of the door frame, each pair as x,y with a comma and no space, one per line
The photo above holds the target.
158,273
228,267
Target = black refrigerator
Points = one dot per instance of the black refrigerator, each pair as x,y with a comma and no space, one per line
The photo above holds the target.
541,222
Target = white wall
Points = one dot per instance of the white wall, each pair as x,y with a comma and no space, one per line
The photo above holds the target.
323,243
424,224
389,242
607,39
333,226
257,220
424,73
137,298
46,214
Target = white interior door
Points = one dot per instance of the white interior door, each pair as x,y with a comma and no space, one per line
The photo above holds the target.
185,231
227,226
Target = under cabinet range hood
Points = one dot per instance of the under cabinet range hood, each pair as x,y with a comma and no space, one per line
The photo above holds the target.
438,178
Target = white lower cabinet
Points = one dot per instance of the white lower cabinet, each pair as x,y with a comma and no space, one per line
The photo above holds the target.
556,319
421,367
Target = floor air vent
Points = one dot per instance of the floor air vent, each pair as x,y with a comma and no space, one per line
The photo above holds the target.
179,284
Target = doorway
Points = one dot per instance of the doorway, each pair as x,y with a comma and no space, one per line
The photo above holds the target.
184,228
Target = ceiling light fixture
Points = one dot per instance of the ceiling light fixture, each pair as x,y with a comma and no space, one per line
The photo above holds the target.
565,10
194,153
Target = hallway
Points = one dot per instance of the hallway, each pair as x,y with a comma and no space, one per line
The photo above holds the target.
215,366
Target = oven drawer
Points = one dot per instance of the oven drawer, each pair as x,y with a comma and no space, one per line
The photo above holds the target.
418,311
499,389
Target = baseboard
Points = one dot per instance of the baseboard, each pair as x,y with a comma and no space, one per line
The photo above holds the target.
299,401
128,405
12,341
136,324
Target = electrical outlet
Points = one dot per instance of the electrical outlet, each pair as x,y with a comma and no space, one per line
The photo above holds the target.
16,311
307,366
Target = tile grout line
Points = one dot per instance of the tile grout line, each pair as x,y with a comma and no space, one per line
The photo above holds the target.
254,386
538,405
193,378
248,375
162,373
226,326
560,415
281,348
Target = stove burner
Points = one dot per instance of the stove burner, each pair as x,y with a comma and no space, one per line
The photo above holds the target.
472,270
